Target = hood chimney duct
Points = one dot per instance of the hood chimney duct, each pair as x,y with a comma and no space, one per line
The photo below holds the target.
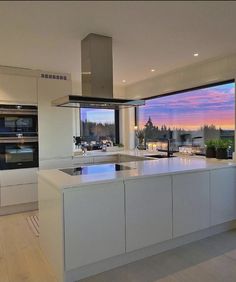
96,65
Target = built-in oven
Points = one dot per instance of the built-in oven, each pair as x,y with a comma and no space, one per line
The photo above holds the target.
18,120
18,136
20,152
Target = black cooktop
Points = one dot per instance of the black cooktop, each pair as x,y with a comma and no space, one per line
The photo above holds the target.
92,169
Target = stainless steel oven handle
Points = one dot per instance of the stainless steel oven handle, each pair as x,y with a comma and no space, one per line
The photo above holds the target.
18,112
18,140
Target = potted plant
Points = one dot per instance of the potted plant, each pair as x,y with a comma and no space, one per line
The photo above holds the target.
210,149
222,149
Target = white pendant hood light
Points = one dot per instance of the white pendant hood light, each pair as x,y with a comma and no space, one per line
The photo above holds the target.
97,77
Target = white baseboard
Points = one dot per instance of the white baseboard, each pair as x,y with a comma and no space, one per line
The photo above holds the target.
18,208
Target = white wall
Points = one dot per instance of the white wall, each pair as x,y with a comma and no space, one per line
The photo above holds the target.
199,74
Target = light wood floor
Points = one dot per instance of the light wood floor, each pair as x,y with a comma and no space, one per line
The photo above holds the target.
21,259
209,260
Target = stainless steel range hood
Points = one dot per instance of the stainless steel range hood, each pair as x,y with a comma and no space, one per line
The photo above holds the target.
97,77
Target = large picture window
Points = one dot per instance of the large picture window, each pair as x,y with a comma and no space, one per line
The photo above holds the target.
98,125
190,118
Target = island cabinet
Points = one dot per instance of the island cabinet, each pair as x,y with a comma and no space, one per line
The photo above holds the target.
223,195
55,124
94,223
148,211
191,202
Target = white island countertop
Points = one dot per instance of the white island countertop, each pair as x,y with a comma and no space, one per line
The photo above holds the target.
146,168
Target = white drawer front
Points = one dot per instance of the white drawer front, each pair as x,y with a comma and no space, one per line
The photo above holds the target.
18,176
19,194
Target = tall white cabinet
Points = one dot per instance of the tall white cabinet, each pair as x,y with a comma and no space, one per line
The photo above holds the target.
18,89
55,124
18,187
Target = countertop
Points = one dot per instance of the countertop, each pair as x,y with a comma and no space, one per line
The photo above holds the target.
146,168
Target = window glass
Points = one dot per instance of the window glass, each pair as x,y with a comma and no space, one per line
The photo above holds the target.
190,118
97,125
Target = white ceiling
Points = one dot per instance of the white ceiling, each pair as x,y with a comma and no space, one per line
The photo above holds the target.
146,34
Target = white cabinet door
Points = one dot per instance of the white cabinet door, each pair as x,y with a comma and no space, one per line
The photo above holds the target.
223,195
191,202
19,194
18,89
94,223
18,176
55,124
148,211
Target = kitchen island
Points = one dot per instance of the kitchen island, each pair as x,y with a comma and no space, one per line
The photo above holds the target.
102,218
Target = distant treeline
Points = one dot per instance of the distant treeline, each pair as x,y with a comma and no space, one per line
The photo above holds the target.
94,131
152,131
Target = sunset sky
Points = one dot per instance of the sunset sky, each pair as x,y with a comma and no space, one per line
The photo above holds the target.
190,110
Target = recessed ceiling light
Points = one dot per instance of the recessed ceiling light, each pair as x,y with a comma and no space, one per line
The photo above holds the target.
195,54
152,70
124,81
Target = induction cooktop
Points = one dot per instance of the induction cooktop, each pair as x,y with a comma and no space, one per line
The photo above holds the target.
94,169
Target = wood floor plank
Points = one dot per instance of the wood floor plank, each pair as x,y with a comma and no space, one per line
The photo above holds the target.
231,254
39,270
21,259
3,270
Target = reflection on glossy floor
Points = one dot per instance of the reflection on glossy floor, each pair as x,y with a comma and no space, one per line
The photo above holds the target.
208,260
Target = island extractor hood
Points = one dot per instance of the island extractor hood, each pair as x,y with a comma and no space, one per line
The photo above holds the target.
97,77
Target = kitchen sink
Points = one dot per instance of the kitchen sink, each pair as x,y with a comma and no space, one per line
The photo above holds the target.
159,156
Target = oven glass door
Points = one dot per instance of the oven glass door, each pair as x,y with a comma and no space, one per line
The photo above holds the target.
13,124
19,155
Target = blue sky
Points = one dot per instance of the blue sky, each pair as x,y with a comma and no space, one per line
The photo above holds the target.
98,115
